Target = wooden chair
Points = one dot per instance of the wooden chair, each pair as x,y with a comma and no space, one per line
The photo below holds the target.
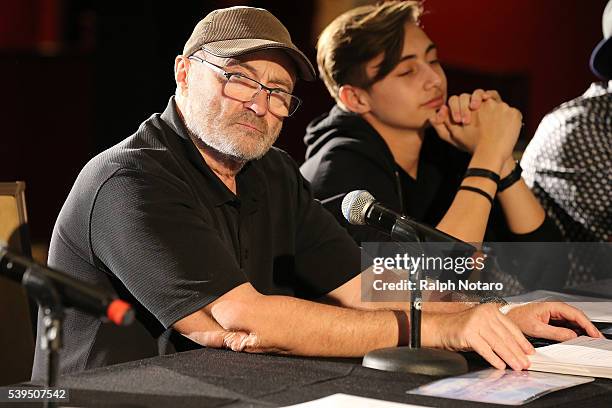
16,337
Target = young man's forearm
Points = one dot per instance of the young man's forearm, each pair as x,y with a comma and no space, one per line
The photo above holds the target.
522,210
467,217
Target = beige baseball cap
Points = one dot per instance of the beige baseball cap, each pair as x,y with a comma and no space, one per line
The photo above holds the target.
234,31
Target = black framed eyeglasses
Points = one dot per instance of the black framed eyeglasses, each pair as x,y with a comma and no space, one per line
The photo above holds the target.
244,89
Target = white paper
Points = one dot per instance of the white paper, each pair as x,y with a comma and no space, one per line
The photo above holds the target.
599,312
596,309
351,401
581,351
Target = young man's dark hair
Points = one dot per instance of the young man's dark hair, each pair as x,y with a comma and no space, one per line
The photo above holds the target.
359,35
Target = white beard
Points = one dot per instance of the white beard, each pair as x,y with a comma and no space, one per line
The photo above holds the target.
238,143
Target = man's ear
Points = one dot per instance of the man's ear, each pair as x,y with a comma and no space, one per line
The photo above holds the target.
354,99
181,64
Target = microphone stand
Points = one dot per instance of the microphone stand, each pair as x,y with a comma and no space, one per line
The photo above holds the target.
50,302
413,358
47,289
415,313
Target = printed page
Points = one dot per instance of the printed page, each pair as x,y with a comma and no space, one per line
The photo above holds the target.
499,386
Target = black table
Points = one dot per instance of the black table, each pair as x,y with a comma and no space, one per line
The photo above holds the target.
220,378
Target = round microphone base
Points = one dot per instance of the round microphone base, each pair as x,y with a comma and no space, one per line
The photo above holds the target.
426,361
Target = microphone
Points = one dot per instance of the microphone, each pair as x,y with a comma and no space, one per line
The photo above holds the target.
359,207
75,294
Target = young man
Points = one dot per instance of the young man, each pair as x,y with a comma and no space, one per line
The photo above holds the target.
210,232
394,133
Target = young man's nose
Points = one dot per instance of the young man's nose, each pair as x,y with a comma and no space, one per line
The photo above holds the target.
433,79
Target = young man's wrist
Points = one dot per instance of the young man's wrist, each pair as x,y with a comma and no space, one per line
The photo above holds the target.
487,158
508,167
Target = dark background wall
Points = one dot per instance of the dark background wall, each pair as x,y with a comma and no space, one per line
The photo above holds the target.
80,75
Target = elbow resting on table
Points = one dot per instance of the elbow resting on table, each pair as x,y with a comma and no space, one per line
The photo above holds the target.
238,325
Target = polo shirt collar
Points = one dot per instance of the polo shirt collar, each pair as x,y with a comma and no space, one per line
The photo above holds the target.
598,89
247,181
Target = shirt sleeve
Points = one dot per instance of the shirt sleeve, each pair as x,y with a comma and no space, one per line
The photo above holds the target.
498,229
343,170
527,257
326,256
150,233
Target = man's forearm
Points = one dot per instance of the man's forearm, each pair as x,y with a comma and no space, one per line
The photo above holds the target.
299,327
447,307
350,296
434,307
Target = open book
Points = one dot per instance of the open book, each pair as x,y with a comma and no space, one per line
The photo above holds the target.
583,355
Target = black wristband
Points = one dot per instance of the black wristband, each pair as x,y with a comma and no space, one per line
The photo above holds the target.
478,191
511,178
486,173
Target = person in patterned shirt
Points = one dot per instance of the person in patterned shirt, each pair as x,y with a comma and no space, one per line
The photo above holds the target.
567,165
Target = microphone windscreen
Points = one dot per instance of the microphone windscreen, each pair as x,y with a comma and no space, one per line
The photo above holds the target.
354,205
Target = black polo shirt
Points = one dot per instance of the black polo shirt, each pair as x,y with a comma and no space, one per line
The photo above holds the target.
150,220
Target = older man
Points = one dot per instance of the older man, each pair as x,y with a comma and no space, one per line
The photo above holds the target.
210,232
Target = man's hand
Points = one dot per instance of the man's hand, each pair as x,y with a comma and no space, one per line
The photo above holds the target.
233,340
483,329
534,320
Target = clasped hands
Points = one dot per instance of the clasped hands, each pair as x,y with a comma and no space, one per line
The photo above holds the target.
480,122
